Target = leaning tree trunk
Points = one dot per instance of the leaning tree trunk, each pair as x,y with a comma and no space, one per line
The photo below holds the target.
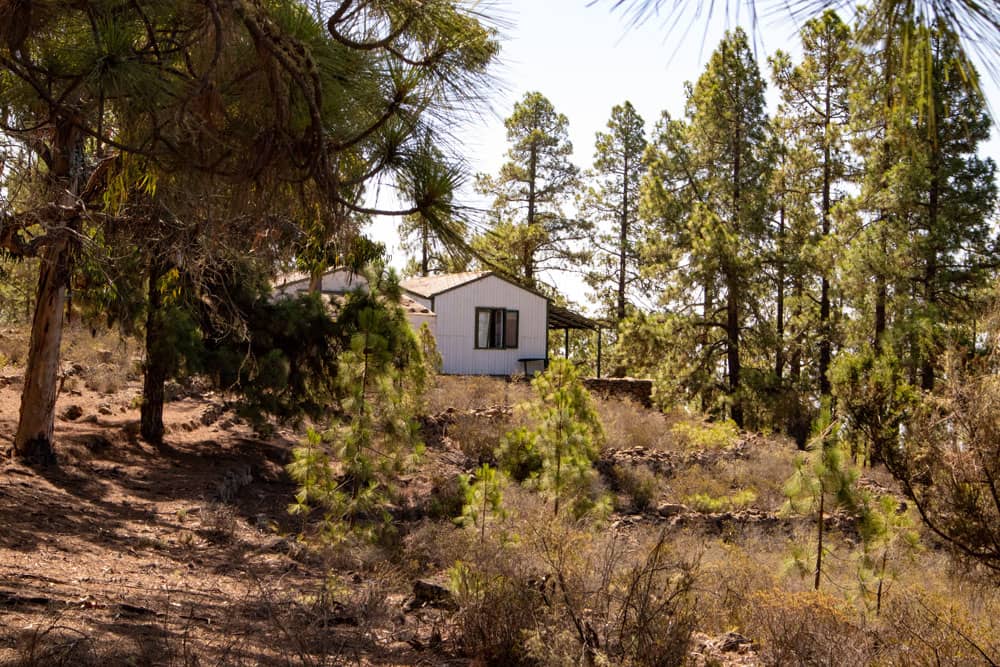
33,440
157,362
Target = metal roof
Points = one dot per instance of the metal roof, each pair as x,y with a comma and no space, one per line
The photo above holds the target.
429,286
564,318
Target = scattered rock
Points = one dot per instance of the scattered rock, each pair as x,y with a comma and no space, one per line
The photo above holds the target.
727,650
734,642
427,593
72,370
104,356
72,413
659,462
234,480
668,510
211,415
104,409
95,443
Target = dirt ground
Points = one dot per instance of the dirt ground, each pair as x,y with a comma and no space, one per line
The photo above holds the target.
129,554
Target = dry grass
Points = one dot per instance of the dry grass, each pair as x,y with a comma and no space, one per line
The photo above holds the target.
531,582
628,424
463,393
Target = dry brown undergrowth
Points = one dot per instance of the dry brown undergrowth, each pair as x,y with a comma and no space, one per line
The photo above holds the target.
326,608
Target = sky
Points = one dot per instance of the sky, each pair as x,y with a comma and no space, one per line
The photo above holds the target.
586,59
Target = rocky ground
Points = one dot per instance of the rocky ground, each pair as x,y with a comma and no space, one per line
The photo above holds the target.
125,553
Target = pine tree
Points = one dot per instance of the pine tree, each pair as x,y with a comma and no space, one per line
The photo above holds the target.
921,219
350,470
816,113
557,453
532,232
259,94
707,191
613,204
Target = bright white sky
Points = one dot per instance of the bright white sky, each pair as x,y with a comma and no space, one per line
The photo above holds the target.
588,59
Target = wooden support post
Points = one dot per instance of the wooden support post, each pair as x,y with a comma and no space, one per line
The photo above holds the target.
566,342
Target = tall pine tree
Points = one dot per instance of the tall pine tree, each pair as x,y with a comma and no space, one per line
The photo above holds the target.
613,204
815,112
532,233
708,190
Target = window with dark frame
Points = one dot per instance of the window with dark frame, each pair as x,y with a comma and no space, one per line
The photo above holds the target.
496,329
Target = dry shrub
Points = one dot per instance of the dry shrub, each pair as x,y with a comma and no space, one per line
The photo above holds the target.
807,628
14,346
568,590
219,522
768,465
500,599
466,392
435,546
638,483
918,627
628,424
737,500
610,602
478,437
104,355
730,575
699,478
446,498
56,645
698,435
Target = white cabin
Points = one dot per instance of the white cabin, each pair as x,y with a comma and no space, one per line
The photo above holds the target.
486,325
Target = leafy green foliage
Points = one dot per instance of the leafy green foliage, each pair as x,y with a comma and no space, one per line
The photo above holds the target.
874,399
557,453
483,498
381,376
532,233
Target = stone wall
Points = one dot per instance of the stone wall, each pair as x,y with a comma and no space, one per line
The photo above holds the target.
640,391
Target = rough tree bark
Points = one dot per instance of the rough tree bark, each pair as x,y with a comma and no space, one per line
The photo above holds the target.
157,363
33,441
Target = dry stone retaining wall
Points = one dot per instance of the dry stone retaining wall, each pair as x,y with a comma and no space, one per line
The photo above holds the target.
640,391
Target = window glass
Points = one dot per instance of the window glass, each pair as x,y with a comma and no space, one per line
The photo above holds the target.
497,327
510,329
483,318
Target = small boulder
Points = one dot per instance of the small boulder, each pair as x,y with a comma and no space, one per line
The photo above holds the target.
72,413
668,510
104,409
734,642
430,594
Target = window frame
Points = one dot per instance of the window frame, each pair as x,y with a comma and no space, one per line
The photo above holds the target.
500,314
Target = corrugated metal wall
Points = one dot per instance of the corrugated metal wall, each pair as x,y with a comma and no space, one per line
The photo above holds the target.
456,327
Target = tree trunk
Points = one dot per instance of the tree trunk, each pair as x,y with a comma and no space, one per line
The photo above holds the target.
623,244
927,374
733,353
732,290
33,441
825,344
424,241
819,539
529,258
157,362
779,355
